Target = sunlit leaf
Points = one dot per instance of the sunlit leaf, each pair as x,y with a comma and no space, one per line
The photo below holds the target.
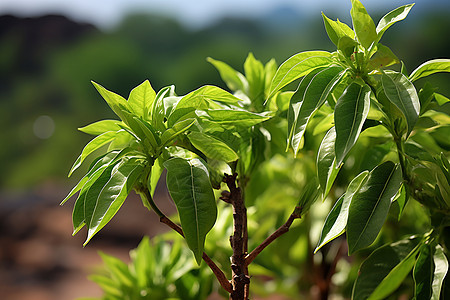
115,102
190,188
107,194
337,29
326,162
402,93
380,264
363,24
211,147
233,79
297,66
440,270
100,127
370,205
392,17
141,100
93,145
395,277
430,67
311,94
384,57
336,221
350,113
233,117
177,129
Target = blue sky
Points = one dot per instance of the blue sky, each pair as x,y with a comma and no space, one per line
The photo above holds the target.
196,13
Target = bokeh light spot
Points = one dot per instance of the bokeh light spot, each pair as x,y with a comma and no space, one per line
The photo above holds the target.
43,127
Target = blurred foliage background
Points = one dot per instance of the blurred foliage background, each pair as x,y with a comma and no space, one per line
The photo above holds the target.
47,62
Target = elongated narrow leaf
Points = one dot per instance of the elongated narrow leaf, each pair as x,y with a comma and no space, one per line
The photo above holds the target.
212,147
233,117
363,24
149,132
423,273
202,98
115,102
379,264
297,66
337,29
93,145
336,221
175,130
158,111
100,127
370,205
305,102
395,277
430,67
107,194
350,113
190,188
326,162
233,79
155,174
78,214
402,93
141,100
392,17
440,270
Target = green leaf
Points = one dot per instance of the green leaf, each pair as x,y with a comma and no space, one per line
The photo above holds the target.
200,99
232,78
190,188
402,93
311,94
392,17
384,57
337,218
347,45
141,100
155,174
381,263
233,117
350,113
149,132
430,67
363,24
423,273
177,129
100,127
336,29
212,148
440,270
370,205
108,192
326,162
254,72
158,111
395,277
115,102
93,145
297,66
440,99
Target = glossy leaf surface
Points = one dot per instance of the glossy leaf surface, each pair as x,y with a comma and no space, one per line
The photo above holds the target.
212,147
402,93
141,99
370,205
363,24
297,66
190,188
350,113
380,264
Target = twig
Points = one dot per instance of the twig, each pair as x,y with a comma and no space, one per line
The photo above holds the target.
279,232
224,282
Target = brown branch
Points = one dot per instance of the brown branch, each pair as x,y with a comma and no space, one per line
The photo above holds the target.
224,282
279,232
240,279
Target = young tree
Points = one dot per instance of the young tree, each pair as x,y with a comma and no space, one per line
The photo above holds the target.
213,139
